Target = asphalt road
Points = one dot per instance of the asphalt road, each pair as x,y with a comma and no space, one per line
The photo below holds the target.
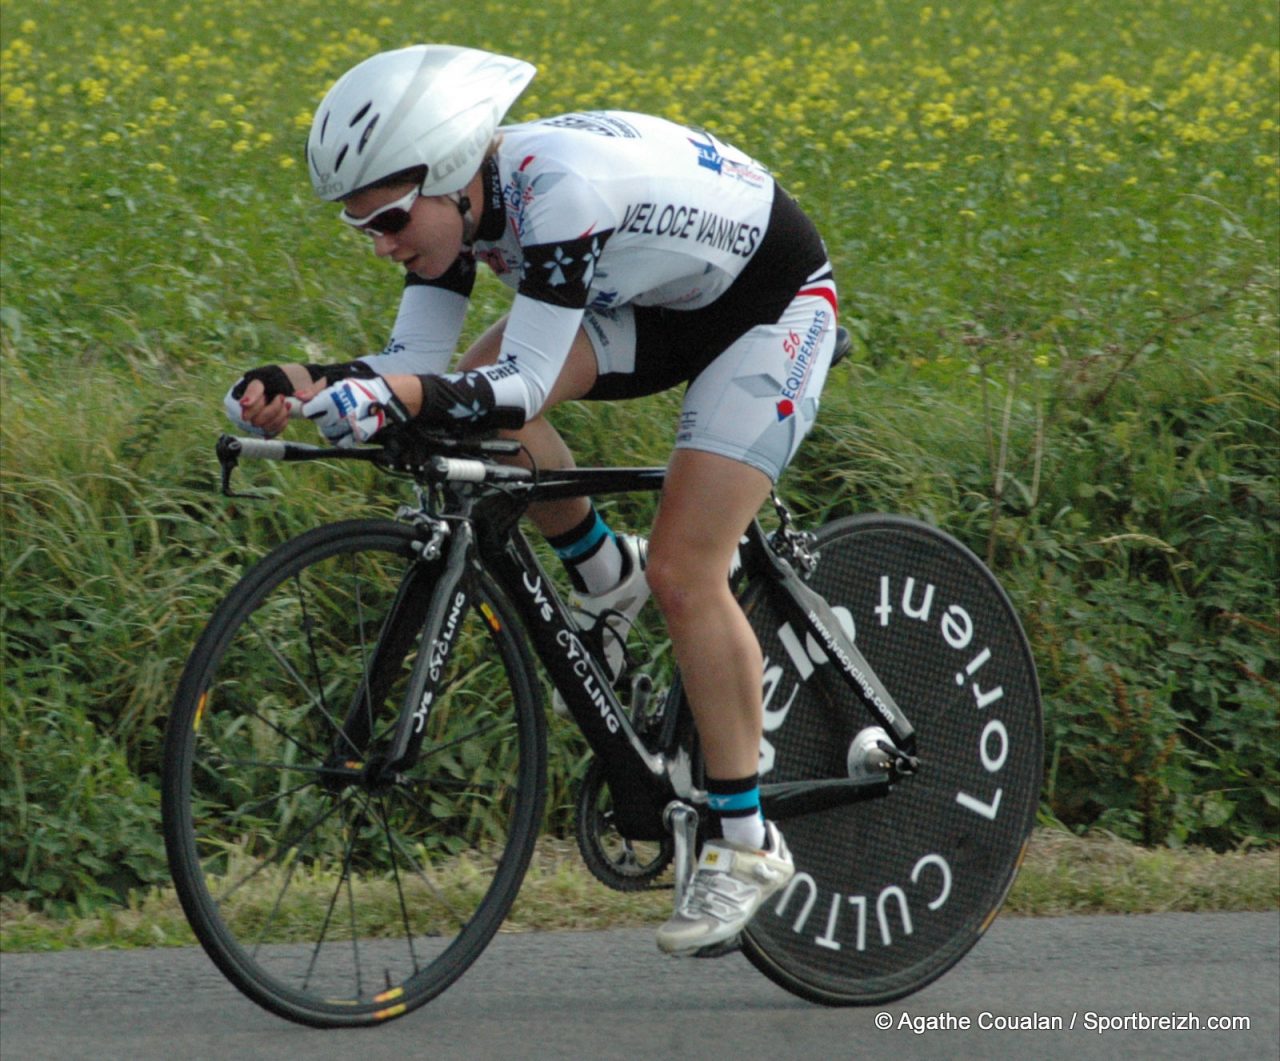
611,995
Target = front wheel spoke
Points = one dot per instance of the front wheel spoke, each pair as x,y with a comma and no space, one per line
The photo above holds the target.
421,873
250,811
395,871
453,785
315,696
216,761
343,879
283,850
457,787
474,734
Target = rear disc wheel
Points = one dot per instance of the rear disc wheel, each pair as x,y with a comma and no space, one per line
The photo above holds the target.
889,893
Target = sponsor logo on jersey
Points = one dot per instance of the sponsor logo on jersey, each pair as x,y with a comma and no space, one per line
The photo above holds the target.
709,157
520,192
597,122
679,221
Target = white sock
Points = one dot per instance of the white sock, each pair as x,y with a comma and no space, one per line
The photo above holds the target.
602,570
748,830
591,555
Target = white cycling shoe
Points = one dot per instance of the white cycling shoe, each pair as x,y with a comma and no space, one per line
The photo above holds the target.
731,882
616,608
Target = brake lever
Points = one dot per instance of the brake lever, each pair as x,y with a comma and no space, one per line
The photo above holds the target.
228,451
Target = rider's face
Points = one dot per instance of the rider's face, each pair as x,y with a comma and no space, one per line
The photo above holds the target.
428,244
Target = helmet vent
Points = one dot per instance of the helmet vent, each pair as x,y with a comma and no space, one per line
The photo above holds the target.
337,163
368,132
324,126
359,114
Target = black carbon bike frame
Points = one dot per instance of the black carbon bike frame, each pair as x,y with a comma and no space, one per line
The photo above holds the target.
473,527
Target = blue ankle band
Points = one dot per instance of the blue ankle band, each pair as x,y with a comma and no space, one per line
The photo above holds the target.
737,801
587,543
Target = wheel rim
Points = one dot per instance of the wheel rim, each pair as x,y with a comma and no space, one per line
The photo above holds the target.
325,884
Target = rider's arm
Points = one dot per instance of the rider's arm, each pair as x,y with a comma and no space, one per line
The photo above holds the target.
535,345
554,288
423,339
428,324
545,317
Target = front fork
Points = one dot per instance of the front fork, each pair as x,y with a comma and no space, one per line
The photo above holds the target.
430,603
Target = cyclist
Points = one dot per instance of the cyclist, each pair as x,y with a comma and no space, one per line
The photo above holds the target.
643,255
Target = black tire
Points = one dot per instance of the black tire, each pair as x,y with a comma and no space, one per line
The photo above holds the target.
326,898
891,892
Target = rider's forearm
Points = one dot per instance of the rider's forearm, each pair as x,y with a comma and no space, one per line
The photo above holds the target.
409,390
455,400
298,376
295,377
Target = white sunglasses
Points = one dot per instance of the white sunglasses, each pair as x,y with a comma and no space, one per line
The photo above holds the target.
386,220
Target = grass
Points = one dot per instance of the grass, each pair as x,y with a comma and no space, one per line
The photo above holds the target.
1062,874
1056,233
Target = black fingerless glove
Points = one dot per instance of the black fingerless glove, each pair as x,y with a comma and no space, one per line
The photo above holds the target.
337,373
275,381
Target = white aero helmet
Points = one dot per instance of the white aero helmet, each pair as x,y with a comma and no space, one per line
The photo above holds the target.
432,105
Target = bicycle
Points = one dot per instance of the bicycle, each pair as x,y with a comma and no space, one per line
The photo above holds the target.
355,761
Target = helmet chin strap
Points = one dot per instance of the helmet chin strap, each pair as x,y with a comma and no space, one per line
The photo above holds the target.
463,203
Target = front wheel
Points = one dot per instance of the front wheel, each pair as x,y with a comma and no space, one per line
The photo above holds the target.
891,892
327,889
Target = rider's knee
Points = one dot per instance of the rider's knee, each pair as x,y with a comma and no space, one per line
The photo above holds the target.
673,583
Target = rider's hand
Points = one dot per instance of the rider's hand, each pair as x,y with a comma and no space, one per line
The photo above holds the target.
257,404
355,410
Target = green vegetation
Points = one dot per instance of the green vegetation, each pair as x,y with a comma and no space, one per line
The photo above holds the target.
1055,233
1063,874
